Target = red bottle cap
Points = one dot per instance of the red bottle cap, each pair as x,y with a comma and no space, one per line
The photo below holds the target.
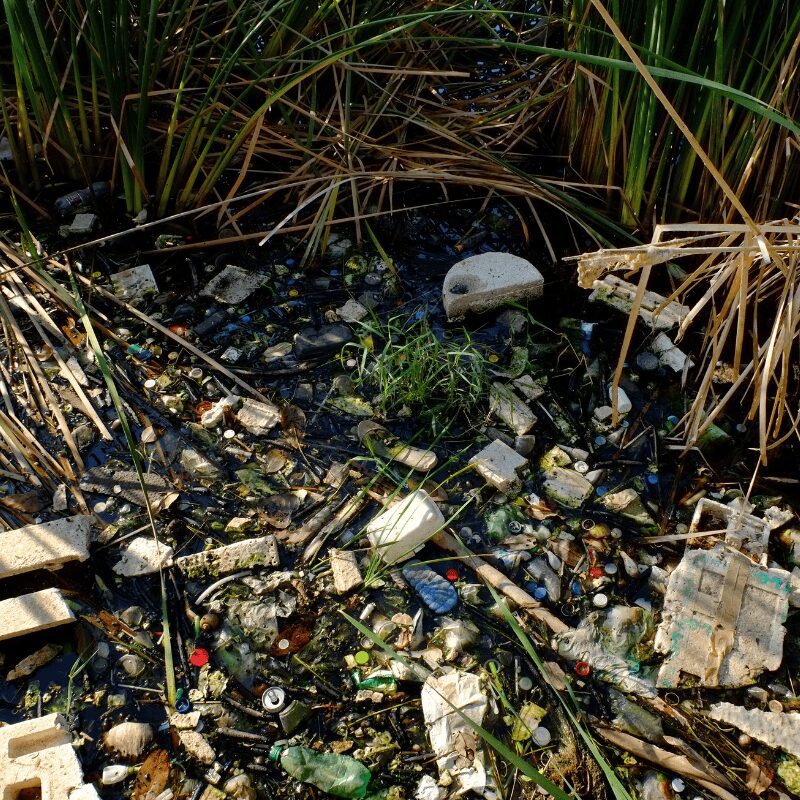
595,572
452,574
199,657
582,669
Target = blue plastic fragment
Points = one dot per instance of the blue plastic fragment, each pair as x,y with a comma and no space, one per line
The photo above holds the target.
436,592
182,705
576,588
601,490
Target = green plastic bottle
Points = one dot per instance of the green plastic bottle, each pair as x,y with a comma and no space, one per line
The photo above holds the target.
335,774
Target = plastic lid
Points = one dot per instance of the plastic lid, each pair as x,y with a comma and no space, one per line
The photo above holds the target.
542,736
199,657
452,574
362,657
540,593
275,752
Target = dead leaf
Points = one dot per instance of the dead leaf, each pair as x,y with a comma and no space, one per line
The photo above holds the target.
153,776
759,775
26,502
293,424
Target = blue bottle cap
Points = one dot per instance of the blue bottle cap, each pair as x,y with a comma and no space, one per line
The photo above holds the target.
576,588
182,705
652,479
540,593
601,490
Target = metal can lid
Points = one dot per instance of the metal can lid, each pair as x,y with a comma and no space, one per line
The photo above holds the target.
273,699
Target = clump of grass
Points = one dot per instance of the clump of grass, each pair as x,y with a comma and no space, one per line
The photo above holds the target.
418,373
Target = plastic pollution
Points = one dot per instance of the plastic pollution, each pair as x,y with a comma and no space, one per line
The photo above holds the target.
436,592
335,774
382,681
81,197
114,773
401,529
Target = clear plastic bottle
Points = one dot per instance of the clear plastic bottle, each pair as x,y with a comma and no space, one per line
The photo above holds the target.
335,774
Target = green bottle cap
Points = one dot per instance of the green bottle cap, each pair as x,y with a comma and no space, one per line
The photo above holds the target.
275,752
362,657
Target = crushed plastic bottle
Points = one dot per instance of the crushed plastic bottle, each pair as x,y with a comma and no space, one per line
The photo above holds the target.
335,774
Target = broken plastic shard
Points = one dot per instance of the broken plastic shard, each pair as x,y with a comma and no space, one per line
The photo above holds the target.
132,284
143,556
722,622
39,753
780,729
233,284
436,592
405,526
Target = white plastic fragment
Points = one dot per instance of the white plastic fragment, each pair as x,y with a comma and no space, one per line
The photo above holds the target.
34,612
624,404
143,556
505,405
39,753
722,621
780,730
401,529
216,414
131,284
669,355
346,574
261,551
488,280
654,311
499,464
257,417
47,545
352,311
233,284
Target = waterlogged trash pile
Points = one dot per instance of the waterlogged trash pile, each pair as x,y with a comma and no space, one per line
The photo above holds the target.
373,552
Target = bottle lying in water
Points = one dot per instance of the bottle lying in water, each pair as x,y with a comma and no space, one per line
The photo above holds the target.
335,774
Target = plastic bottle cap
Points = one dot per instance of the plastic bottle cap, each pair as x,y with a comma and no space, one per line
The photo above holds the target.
199,657
678,785
149,384
514,526
229,433
283,644
775,706
362,657
576,589
595,572
582,669
183,705
452,574
600,600
611,568
273,699
652,479
542,736
540,593
525,684
581,466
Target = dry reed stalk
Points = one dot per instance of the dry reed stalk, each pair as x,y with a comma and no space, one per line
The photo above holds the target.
745,297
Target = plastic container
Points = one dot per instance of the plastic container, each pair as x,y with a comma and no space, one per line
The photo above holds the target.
338,775
403,528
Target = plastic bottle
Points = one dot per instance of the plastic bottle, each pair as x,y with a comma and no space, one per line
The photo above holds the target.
335,774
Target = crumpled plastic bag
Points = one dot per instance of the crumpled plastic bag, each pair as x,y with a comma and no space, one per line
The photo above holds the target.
458,748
